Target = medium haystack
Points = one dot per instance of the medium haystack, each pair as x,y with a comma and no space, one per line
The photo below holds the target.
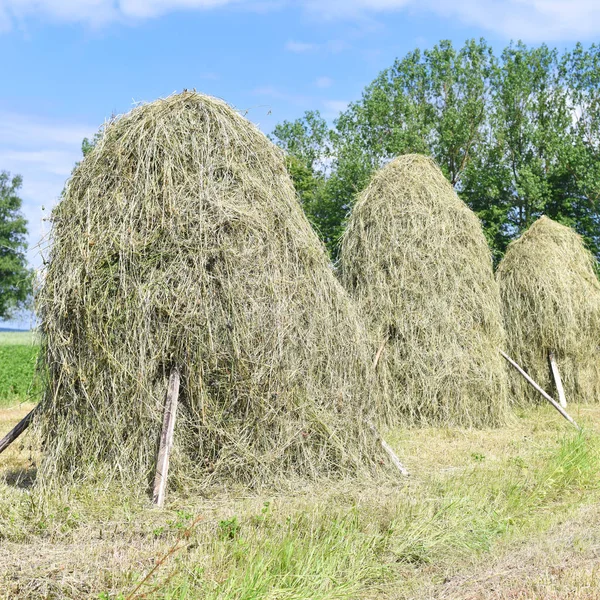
416,260
551,302
179,242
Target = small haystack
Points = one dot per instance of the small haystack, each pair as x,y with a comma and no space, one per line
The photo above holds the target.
416,260
179,241
551,302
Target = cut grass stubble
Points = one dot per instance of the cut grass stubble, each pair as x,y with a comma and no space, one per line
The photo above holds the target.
474,490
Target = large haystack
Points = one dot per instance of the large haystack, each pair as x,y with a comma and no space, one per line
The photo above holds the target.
551,302
179,242
416,260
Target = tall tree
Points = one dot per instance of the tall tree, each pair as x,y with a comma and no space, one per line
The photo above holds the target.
307,144
517,136
15,276
518,174
581,158
432,102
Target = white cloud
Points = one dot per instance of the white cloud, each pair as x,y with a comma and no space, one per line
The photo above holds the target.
4,20
531,20
323,82
98,12
335,9
152,8
24,130
56,162
300,47
94,12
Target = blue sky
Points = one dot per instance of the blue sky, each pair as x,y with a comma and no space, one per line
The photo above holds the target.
67,65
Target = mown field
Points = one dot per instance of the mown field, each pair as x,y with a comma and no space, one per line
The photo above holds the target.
512,513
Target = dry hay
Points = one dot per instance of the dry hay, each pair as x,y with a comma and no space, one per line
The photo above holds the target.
551,302
179,242
416,260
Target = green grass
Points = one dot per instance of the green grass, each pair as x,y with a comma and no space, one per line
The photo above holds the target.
17,365
472,496
332,551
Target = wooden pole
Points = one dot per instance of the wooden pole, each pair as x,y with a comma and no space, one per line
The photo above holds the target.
166,439
388,449
557,380
552,401
16,431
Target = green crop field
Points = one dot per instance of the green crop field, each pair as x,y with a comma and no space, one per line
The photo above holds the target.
18,353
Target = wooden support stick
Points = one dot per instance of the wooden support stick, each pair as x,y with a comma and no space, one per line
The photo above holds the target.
166,439
557,380
388,449
378,355
16,431
552,401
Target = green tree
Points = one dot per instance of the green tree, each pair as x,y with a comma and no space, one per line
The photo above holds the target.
518,174
517,136
581,158
432,102
15,276
307,144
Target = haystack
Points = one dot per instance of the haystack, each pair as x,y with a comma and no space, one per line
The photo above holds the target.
179,241
416,260
551,302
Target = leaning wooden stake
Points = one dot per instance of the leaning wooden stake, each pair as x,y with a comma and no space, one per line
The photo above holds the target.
550,399
557,381
166,439
394,458
16,431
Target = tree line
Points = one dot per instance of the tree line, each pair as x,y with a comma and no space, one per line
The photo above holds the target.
517,135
